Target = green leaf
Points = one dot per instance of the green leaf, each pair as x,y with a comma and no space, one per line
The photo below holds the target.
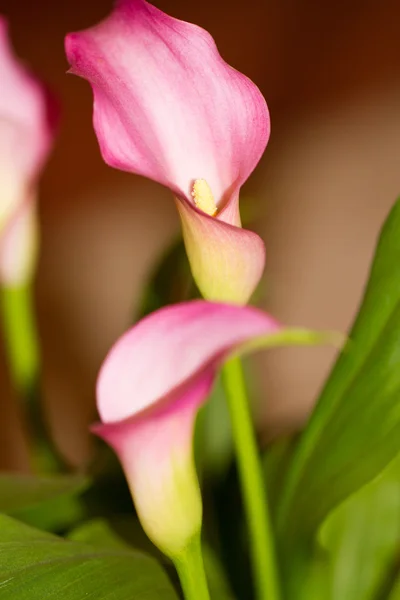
106,533
354,431
171,281
276,461
361,537
34,564
395,593
98,532
217,582
213,436
20,492
121,531
47,502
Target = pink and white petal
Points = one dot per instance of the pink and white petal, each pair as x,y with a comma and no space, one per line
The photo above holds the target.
168,350
26,102
166,105
13,166
227,262
19,245
155,451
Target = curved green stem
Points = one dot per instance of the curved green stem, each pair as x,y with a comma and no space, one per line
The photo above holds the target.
252,482
190,568
23,355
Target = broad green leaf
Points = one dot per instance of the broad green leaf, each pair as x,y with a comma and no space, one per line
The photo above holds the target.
98,532
124,531
102,533
361,537
46,502
316,584
36,565
354,431
20,492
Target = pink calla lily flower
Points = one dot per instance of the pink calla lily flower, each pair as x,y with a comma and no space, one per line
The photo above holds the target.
26,135
149,390
168,107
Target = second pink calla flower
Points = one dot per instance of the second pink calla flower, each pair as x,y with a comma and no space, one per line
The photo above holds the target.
168,107
149,390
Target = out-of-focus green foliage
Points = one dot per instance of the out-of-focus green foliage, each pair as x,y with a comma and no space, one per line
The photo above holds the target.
213,440
34,565
276,461
171,281
354,431
50,503
362,538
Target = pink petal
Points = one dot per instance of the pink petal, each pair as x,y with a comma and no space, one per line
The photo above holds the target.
170,349
149,390
25,106
166,105
27,124
148,393
155,451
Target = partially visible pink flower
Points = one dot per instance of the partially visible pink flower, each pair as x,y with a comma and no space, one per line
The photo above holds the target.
168,107
26,135
149,390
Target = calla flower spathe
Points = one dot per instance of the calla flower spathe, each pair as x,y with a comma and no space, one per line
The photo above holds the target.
149,390
26,134
148,393
168,107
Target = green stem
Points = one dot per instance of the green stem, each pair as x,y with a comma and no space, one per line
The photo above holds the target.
23,355
190,568
252,482
20,336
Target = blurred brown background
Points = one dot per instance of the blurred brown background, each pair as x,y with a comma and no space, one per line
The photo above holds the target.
330,72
